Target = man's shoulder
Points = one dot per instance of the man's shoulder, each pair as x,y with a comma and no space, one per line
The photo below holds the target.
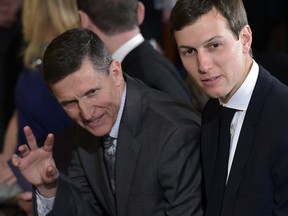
155,102
147,57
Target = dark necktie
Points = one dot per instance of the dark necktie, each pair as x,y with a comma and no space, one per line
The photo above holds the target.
109,156
218,184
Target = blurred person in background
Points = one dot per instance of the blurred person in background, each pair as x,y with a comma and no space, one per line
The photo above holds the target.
10,64
9,12
157,14
35,105
117,24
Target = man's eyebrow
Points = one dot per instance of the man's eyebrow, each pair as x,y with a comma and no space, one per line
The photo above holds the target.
213,38
65,102
90,91
185,47
205,42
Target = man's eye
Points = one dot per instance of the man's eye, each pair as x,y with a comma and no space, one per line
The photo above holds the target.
187,52
68,104
214,45
190,51
91,93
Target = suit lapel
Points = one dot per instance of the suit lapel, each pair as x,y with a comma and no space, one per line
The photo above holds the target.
245,142
92,153
126,158
128,147
239,162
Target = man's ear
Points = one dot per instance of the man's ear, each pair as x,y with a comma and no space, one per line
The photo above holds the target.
246,37
140,12
85,20
116,72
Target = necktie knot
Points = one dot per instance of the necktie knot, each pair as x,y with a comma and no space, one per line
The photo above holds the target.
226,116
109,147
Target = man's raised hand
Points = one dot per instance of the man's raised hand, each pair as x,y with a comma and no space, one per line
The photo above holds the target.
37,164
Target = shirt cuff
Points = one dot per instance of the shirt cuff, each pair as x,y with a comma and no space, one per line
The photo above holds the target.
44,205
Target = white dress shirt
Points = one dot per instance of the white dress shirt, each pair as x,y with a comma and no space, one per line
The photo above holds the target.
126,48
240,101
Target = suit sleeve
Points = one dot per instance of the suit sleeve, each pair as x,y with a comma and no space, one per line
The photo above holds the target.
72,201
179,172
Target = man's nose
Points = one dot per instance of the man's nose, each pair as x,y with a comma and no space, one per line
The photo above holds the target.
204,62
85,110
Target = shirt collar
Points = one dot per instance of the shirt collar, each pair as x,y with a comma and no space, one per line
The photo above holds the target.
240,100
115,129
123,50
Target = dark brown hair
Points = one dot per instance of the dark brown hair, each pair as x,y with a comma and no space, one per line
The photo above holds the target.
186,12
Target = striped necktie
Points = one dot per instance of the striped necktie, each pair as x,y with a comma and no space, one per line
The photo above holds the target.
109,147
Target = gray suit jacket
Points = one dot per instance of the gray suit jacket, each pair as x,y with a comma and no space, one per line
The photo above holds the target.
258,180
157,162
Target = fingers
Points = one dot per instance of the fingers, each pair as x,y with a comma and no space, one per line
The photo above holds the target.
31,140
16,160
52,172
24,150
49,143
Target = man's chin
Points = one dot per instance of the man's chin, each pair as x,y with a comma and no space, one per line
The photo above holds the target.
96,131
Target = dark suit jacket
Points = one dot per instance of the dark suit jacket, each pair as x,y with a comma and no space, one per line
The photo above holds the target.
258,181
157,162
156,71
